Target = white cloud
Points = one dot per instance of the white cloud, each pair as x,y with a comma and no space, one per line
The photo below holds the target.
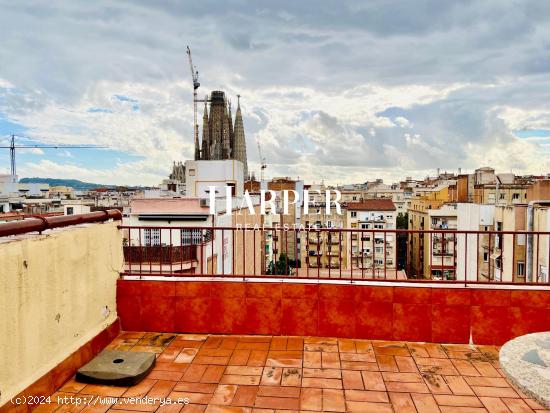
403,122
4,84
323,86
34,151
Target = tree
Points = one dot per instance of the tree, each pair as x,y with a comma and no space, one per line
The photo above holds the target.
402,223
402,220
283,266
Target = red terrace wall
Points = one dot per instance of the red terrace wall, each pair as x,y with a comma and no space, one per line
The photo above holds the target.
439,315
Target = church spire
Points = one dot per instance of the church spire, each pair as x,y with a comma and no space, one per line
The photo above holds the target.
226,134
205,132
240,141
231,130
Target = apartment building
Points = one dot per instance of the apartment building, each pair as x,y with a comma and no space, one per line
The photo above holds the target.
371,251
351,194
287,239
473,249
325,249
486,187
522,257
432,255
441,249
393,192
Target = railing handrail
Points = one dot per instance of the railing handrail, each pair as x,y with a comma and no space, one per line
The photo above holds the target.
351,230
340,253
40,224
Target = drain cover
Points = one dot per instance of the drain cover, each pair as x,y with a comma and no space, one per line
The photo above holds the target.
116,368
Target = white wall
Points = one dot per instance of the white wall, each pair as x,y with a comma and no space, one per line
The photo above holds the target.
77,209
469,218
57,291
199,175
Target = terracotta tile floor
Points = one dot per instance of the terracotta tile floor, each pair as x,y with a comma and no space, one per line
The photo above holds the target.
284,374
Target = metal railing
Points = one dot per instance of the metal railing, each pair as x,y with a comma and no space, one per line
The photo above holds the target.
389,255
43,223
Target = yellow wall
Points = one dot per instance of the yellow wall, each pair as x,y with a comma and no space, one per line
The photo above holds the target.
442,195
251,263
57,291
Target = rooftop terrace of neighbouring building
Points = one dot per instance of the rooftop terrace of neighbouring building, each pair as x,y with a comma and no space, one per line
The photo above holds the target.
231,338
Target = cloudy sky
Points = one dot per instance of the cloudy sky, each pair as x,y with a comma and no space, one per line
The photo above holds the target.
343,91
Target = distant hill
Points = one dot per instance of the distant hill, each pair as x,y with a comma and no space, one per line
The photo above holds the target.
73,183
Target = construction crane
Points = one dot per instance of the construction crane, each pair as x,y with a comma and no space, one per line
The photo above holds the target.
263,163
12,147
196,85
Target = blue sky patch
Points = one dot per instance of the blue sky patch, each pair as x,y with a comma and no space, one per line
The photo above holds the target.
531,133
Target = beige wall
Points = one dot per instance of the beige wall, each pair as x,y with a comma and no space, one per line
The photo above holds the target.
57,291
253,260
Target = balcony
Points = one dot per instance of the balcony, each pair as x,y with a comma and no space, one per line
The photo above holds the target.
362,254
442,253
245,326
315,253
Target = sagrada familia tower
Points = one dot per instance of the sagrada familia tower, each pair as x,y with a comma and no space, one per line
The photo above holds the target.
221,139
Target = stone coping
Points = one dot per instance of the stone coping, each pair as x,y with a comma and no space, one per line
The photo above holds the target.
526,361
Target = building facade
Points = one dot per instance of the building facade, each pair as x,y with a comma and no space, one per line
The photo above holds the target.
373,253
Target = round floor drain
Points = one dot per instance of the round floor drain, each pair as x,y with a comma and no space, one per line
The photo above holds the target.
117,361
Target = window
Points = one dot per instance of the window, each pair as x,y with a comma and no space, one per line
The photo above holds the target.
379,226
70,210
365,226
515,196
501,195
354,214
191,172
521,269
151,236
355,199
190,236
485,256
